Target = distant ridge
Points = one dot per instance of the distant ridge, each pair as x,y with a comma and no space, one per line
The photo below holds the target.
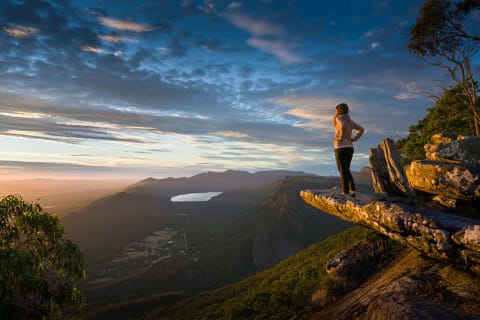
212,181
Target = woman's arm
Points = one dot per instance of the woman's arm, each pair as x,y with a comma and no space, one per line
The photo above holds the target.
359,129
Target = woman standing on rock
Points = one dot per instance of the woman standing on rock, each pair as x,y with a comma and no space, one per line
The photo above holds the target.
343,145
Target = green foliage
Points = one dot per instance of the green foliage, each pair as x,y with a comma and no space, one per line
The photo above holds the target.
276,293
38,267
450,114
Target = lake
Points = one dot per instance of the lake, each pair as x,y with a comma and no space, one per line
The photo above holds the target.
194,197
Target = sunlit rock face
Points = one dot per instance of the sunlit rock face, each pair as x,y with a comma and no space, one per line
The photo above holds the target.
388,175
451,180
451,171
469,238
452,147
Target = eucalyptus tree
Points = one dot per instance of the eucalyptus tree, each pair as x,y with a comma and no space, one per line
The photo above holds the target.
39,268
447,34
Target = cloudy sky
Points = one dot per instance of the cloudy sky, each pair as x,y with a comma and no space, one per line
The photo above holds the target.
173,88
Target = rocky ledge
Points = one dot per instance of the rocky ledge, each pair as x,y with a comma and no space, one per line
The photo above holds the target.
439,235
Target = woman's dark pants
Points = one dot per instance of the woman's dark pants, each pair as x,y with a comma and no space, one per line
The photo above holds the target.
344,158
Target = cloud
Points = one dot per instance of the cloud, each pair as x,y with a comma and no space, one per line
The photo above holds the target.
116,38
29,134
412,91
255,27
91,49
267,37
176,49
63,121
45,123
230,134
20,114
18,31
235,5
279,49
254,155
124,25
315,113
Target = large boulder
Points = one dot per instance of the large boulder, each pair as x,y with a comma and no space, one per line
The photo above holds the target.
344,267
450,180
452,147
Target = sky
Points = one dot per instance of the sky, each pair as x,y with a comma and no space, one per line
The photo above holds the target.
136,89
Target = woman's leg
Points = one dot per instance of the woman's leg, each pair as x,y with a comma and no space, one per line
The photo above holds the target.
348,159
344,158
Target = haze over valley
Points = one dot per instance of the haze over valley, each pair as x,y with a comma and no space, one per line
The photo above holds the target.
138,242
62,196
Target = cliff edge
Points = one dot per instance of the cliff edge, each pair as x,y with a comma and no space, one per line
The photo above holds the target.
439,235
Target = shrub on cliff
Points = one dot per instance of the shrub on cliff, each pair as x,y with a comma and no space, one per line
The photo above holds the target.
450,114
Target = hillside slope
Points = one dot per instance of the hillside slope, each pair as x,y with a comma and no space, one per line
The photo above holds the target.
276,293
405,286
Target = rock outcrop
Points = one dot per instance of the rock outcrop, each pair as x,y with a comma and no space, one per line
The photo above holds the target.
388,175
438,235
451,172
454,148
447,179
343,268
